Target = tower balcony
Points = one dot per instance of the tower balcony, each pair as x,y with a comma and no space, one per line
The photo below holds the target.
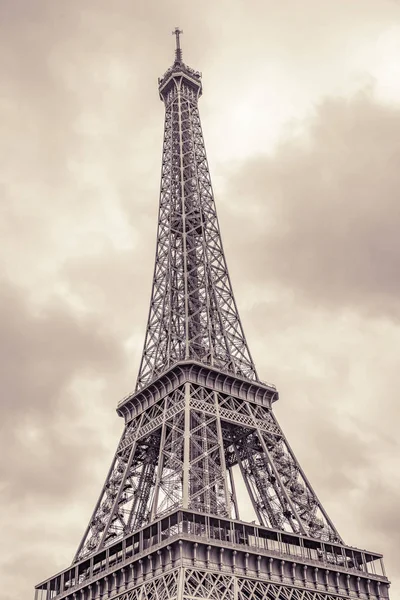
175,76
197,373
186,540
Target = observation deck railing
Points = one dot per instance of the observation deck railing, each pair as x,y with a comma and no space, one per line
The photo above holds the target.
208,529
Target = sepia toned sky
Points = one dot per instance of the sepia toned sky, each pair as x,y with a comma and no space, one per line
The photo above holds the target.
301,117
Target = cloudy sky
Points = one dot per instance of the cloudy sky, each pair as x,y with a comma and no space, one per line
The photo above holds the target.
301,116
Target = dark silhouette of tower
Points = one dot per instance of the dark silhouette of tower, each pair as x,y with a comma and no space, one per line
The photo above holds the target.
200,433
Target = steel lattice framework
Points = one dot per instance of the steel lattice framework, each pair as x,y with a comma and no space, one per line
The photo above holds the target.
193,314
180,451
167,523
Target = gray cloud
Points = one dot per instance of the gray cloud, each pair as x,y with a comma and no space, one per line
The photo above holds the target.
41,415
325,209
47,433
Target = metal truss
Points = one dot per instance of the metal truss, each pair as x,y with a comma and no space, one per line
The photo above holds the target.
193,314
161,588
191,584
180,452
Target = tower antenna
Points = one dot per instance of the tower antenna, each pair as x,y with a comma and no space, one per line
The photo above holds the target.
178,50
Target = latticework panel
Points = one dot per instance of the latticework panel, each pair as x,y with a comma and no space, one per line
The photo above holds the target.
250,589
196,584
161,588
210,586
193,314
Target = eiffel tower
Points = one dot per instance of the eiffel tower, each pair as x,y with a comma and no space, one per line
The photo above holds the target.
200,434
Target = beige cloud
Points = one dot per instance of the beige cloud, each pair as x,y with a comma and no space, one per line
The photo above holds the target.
309,232
48,433
41,415
325,209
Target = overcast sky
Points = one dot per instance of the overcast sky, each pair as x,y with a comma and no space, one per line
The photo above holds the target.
301,117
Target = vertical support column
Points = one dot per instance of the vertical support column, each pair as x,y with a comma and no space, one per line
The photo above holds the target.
278,478
248,488
382,567
160,465
234,496
235,588
222,458
308,484
114,509
184,233
186,449
181,583
101,497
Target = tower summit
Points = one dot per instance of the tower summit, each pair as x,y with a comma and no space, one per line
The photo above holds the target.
201,446
193,314
178,51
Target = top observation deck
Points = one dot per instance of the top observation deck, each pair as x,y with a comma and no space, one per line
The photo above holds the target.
179,72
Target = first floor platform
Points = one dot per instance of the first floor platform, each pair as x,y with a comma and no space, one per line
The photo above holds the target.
186,555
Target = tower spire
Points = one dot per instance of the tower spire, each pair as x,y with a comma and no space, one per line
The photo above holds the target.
178,50
193,313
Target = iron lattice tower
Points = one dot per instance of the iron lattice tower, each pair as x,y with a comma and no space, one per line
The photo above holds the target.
167,524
